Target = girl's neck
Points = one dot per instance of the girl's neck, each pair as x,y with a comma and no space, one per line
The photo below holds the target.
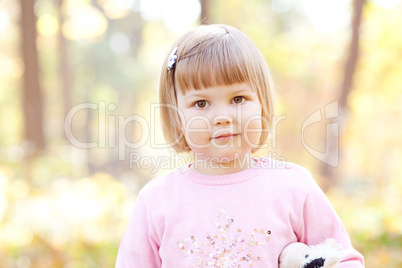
206,167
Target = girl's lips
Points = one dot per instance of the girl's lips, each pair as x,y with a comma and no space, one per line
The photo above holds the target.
225,136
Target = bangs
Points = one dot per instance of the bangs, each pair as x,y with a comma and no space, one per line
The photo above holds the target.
214,62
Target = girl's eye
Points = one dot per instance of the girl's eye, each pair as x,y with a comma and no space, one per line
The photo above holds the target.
239,99
201,104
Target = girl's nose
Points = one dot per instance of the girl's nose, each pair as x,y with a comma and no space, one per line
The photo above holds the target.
222,120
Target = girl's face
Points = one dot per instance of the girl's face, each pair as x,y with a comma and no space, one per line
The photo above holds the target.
222,123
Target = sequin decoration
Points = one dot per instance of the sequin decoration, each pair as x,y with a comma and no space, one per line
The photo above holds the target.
229,249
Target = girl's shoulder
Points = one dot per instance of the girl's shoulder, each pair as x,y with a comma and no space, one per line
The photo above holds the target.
282,166
162,184
287,173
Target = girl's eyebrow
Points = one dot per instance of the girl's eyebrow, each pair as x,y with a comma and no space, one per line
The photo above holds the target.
240,90
196,95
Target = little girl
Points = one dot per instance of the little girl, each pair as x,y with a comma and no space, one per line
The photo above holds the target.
226,209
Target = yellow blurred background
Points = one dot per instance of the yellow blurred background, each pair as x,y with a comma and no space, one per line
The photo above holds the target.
80,131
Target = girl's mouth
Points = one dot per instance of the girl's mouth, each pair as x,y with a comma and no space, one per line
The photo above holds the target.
225,136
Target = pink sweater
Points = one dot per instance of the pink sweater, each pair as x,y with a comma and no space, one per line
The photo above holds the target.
186,219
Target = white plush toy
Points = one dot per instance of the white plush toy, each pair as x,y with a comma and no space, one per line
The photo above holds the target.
298,255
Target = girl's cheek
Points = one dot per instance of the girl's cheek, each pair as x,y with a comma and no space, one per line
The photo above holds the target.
197,132
252,138
253,130
197,123
197,139
251,119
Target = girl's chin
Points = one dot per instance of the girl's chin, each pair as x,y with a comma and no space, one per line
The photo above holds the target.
222,157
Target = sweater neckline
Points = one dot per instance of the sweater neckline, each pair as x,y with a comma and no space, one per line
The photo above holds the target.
227,179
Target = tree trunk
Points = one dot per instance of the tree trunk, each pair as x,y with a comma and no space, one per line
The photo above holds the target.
353,53
32,95
204,11
65,84
328,171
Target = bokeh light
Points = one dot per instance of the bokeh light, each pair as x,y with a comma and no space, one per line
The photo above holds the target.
4,21
47,25
178,15
85,22
120,43
389,4
10,67
327,15
117,9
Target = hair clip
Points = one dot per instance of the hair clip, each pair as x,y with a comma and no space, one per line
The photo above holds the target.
172,59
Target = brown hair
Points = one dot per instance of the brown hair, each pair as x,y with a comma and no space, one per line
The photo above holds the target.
208,56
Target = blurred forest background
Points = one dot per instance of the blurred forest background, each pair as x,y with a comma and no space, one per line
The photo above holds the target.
79,130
